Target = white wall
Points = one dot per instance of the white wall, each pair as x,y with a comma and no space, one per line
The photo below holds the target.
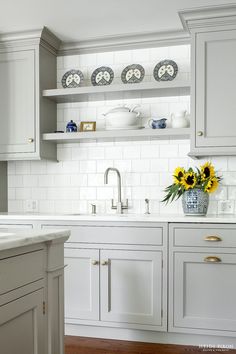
76,181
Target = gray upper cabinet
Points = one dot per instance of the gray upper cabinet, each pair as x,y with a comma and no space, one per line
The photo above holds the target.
213,95
27,66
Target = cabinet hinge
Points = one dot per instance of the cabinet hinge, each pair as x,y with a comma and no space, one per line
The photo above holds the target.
44,307
161,313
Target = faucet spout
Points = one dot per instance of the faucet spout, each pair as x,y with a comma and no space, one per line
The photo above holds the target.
120,206
118,180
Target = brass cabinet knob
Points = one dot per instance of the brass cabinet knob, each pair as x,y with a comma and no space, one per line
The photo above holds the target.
200,133
30,140
212,259
94,262
104,263
212,238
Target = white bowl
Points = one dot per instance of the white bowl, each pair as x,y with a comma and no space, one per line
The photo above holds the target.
122,119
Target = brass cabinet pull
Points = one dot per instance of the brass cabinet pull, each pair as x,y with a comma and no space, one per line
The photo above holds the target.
30,140
212,259
212,238
94,262
200,133
104,263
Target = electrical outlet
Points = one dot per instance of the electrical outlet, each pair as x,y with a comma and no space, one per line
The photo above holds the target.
31,206
226,207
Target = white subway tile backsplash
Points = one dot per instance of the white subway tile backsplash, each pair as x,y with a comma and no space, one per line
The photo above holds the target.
79,180
30,180
70,167
46,206
22,167
15,181
123,57
131,152
39,193
150,179
232,163
96,153
61,180
22,193
87,193
114,152
46,181
38,167
104,193
71,62
87,166
16,205
169,150
104,59
159,165
140,165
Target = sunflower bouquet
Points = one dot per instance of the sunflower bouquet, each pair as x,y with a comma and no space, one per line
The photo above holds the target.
204,178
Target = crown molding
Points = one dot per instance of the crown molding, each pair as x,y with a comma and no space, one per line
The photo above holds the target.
135,41
208,16
50,40
42,36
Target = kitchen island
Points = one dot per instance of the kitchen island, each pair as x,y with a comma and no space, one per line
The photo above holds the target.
31,291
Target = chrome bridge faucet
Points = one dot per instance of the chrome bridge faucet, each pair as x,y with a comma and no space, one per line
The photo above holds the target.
120,206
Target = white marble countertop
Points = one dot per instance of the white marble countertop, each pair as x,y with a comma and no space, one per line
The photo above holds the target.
13,238
228,219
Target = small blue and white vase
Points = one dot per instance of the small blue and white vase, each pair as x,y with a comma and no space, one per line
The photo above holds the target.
71,127
195,202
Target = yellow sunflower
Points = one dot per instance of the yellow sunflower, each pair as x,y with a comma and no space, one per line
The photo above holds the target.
207,171
212,185
189,180
178,175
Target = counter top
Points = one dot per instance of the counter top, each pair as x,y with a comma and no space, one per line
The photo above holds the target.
225,219
13,238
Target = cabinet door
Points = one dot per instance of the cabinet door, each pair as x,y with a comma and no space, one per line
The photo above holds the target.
17,108
22,325
81,285
215,95
131,287
204,292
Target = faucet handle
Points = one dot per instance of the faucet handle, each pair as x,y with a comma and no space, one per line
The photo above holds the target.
124,204
94,211
147,206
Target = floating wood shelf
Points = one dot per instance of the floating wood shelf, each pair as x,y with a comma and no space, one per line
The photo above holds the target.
121,91
110,135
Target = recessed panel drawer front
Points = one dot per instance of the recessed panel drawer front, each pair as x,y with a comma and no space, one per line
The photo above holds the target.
20,270
207,236
114,235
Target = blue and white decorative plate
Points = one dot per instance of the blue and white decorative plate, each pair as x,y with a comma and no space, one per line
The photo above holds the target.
102,76
72,78
165,70
132,74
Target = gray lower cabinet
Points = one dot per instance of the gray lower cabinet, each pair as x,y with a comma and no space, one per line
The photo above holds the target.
22,325
213,74
27,66
115,276
202,279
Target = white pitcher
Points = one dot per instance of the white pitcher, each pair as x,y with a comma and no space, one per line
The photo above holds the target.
179,119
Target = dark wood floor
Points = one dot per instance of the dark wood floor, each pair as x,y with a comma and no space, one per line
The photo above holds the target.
83,345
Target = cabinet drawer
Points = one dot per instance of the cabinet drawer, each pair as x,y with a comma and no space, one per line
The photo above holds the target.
115,235
15,273
204,236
